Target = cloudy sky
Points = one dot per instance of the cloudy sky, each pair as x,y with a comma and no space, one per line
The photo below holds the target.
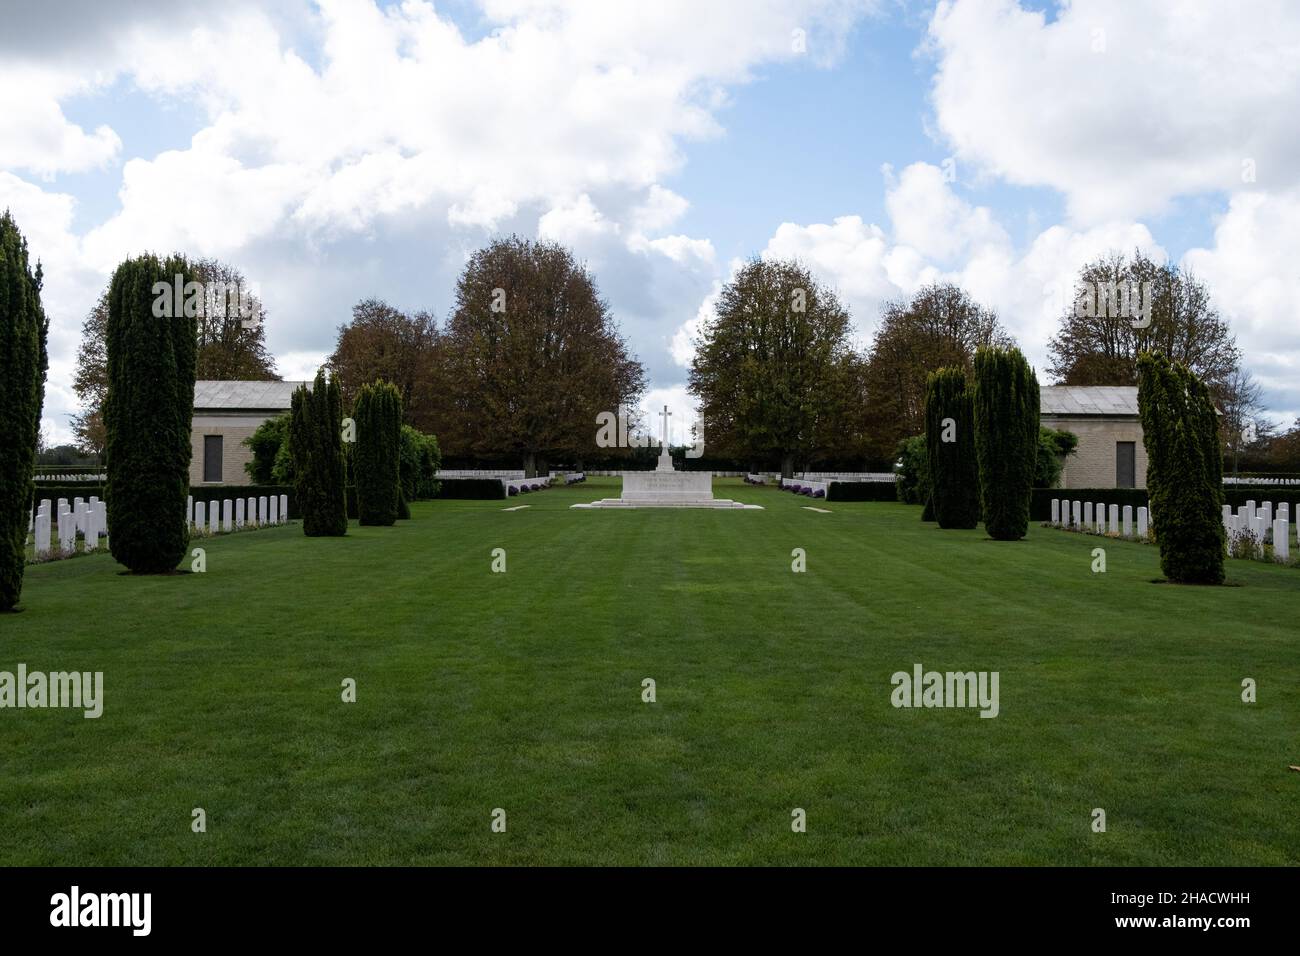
341,149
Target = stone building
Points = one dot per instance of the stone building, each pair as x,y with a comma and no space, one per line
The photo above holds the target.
1105,418
225,413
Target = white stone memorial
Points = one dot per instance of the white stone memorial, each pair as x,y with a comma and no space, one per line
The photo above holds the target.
199,523
227,515
1056,511
665,487
1142,522
1128,521
284,508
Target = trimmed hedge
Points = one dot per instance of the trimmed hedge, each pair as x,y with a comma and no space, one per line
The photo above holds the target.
862,491
316,444
950,448
148,409
1180,429
1006,398
23,359
483,489
377,455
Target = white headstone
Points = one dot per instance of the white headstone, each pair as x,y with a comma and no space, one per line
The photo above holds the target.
1142,522
1056,511
1114,519
41,533
239,512
227,515
275,509
1281,540
189,510
284,508
1076,514
1087,516
214,516
199,522
263,516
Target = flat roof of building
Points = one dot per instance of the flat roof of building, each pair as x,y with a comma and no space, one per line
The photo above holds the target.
244,396
1117,400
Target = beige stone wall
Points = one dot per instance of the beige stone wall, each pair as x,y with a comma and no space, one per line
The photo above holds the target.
234,453
1093,464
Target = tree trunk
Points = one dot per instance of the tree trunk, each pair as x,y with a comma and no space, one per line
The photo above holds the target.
530,464
787,466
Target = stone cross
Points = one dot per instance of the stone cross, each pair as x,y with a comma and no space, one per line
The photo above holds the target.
665,415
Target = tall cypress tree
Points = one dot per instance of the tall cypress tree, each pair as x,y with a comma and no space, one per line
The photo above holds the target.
950,449
1180,430
23,332
316,444
376,459
1006,405
151,346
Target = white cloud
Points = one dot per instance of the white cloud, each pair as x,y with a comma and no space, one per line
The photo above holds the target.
1121,106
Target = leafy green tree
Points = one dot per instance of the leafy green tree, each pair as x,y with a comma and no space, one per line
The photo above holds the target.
913,470
775,371
530,357
264,444
1180,430
421,459
1053,448
1123,307
1006,404
148,409
23,361
950,448
941,326
376,458
316,447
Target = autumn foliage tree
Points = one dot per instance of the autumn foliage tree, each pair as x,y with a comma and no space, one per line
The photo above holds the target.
1122,307
941,326
383,342
530,357
774,369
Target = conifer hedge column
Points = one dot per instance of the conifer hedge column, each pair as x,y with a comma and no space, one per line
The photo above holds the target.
377,455
23,329
1006,404
950,449
1184,470
148,411
316,444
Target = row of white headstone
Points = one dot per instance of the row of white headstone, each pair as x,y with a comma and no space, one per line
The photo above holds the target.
1099,518
227,515
1259,524
90,518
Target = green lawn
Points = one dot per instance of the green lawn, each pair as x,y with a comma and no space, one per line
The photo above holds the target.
523,691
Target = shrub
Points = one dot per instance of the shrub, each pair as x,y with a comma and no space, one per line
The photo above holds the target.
147,413
316,449
913,485
376,456
1006,439
1184,470
1053,447
950,450
420,461
265,444
23,359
